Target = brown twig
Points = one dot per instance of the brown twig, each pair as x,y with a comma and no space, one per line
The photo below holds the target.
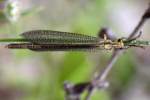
101,77
74,91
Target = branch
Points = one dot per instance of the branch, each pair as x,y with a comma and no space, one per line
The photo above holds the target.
103,75
144,18
74,91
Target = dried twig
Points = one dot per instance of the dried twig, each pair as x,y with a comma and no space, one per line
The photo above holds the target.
73,92
102,75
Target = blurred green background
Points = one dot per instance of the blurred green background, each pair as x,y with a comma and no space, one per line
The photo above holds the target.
28,75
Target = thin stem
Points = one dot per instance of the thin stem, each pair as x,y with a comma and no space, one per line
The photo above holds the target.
137,28
13,40
102,76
